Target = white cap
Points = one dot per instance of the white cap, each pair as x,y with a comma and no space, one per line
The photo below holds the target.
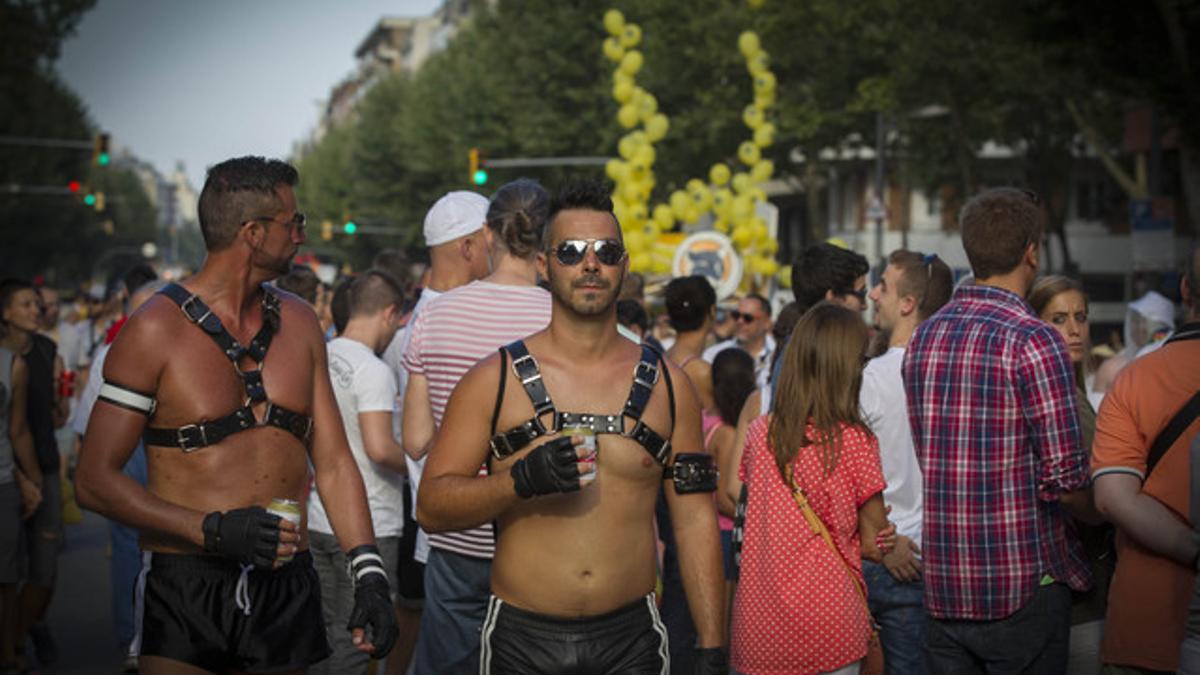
455,215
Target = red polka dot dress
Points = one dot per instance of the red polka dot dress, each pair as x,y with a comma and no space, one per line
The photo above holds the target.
795,610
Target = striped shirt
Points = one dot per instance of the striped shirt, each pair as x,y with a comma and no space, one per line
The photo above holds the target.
451,335
991,403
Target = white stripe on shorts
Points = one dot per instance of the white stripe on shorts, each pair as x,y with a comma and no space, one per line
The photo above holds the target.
485,639
659,628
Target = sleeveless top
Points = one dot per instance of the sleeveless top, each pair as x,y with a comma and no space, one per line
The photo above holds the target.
710,423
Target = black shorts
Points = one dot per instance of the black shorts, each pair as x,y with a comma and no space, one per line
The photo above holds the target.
631,639
198,610
409,572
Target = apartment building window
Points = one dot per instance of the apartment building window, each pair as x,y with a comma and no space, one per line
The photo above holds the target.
1094,199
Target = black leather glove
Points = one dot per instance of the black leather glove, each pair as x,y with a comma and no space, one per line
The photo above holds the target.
249,535
548,469
372,599
711,660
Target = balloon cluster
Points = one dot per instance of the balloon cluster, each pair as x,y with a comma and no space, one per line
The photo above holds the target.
728,195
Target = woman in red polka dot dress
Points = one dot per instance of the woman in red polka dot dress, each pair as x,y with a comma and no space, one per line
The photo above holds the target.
796,610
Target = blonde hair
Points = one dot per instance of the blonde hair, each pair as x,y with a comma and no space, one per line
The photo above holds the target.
819,385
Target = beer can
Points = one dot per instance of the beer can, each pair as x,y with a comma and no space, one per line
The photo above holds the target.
287,509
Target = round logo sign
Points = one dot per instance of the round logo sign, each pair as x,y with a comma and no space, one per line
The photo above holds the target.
709,254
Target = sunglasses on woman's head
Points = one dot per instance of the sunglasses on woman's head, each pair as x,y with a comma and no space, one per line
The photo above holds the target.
572,251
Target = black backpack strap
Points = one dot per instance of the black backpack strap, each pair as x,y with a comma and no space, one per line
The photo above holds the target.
1171,433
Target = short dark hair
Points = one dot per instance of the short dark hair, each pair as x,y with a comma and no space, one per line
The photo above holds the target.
997,226
339,303
372,291
925,277
689,301
8,288
302,281
239,190
518,214
588,194
137,276
733,381
762,302
822,268
397,263
631,313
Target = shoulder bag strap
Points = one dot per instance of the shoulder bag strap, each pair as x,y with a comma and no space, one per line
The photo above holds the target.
1171,433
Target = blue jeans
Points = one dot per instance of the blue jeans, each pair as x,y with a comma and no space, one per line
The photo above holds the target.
457,590
899,608
1033,640
126,558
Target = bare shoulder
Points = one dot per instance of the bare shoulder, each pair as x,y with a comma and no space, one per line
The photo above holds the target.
483,376
145,343
298,317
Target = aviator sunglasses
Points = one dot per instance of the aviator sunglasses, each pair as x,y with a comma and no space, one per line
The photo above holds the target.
572,251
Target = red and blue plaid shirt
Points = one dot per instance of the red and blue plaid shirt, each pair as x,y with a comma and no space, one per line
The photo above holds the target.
991,402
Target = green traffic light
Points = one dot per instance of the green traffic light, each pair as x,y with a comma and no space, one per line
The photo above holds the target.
350,227
102,160
480,177
90,200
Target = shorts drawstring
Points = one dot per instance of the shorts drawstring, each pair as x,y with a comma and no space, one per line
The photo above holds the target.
241,594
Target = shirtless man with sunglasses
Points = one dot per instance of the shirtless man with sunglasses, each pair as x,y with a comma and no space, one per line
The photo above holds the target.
581,427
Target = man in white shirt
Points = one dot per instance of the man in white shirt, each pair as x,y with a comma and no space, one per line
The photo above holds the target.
365,389
457,256
753,335
911,289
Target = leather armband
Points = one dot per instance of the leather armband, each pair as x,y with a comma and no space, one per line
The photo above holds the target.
692,472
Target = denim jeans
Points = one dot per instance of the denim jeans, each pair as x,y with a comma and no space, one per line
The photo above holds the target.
457,590
1032,640
899,608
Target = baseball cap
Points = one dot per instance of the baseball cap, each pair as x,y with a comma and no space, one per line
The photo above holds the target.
455,215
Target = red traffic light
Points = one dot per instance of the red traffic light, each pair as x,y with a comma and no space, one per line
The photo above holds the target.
73,186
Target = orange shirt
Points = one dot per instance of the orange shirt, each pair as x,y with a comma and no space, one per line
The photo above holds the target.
1147,602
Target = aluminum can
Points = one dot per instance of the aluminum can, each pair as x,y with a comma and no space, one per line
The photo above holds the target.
287,509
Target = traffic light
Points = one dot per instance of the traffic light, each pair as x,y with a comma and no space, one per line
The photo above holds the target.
478,174
100,153
89,199
99,203
73,186
350,227
327,230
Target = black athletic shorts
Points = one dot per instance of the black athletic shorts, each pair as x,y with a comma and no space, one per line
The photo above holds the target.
200,610
631,639
409,572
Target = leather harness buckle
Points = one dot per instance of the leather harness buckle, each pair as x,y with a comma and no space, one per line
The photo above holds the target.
194,315
645,375
187,444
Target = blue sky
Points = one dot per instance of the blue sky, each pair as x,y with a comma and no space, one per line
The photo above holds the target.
198,82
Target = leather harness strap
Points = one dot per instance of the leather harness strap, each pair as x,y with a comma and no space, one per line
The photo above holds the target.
195,436
527,371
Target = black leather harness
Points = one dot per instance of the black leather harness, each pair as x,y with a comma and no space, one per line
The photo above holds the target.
195,436
645,376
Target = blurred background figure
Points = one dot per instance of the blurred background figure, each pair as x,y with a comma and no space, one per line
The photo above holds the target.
1148,321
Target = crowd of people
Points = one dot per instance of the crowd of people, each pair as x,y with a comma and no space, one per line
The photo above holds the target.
509,460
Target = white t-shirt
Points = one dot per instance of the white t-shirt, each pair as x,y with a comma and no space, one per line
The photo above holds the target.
91,391
362,382
393,356
885,410
762,362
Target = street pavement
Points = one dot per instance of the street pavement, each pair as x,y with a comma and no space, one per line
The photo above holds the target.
80,616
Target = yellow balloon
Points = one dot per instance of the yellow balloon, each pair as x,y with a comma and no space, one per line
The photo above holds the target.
635,239
761,172
631,62
742,208
647,105
771,246
764,100
631,192
663,216
757,64
645,155
784,276
748,152
640,261
741,237
722,201
753,116
660,266
764,82
623,92
639,212
615,169
754,4
627,116
613,51
626,147
614,21
637,171
656,127
694,184
638,137
757,194
770,266
764,135
741,182
718,174
619,77
838,242
721,225
702,198
679,204
749,43
631,34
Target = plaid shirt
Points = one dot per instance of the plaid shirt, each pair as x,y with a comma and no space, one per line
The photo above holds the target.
991,402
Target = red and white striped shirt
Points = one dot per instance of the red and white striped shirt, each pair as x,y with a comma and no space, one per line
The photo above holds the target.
452,334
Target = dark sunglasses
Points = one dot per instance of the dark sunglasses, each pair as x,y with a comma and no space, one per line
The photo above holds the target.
744,317
297,222
861,294
572,251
